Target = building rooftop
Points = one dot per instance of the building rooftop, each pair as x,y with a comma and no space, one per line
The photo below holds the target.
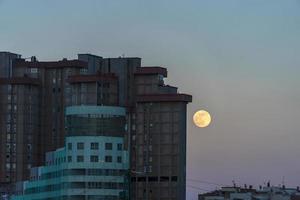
50,64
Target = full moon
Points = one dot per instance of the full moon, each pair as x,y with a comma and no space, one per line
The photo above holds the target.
202,118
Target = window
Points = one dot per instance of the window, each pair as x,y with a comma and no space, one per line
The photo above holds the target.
108,159
33,70
94,159
120,147
150,159
94,146
80,145
108,146
119,159
7,165
174,178
69,158
80,159
69,146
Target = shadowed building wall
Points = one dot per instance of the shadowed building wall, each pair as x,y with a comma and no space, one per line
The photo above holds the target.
155,122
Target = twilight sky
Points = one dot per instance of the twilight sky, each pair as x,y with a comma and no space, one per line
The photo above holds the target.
239,59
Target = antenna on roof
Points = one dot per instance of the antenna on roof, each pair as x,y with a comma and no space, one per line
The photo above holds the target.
283,184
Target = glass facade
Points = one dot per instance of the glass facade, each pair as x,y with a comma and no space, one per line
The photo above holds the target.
95,125
95,120
91,166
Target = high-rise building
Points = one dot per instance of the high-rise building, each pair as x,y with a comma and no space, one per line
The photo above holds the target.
32,102
158,146
155,133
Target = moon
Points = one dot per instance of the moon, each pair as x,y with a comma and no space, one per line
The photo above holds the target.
202,118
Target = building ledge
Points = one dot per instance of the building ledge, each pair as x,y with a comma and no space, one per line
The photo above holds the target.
151,71
165,98
91,78
19,81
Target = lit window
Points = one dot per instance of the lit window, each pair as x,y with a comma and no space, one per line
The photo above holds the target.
7,165
33,70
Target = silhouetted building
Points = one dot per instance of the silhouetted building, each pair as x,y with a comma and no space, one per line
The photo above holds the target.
32,102
155,132
264,193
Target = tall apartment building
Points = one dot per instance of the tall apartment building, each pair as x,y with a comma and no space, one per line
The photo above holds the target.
155,133
93,164
32,102
158,148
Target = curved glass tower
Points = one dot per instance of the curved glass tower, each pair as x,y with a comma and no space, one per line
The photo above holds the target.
93,165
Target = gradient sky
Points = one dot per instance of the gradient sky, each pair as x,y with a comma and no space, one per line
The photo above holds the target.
238,58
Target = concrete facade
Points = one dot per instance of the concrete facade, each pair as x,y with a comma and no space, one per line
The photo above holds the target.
155,122
32,100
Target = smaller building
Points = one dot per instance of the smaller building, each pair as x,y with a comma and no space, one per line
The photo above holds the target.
264,193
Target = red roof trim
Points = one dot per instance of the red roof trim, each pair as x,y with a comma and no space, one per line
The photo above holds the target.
151,70
165,98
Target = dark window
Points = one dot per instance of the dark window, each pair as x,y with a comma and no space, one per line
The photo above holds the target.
108,146
119,159
80,145
94,146
133,179
120,147
153,179
69,158
108,159
80,159
174,178
94,159
141,179
164,179
70,146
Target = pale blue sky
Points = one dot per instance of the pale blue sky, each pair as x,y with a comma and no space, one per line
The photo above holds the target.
238,58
